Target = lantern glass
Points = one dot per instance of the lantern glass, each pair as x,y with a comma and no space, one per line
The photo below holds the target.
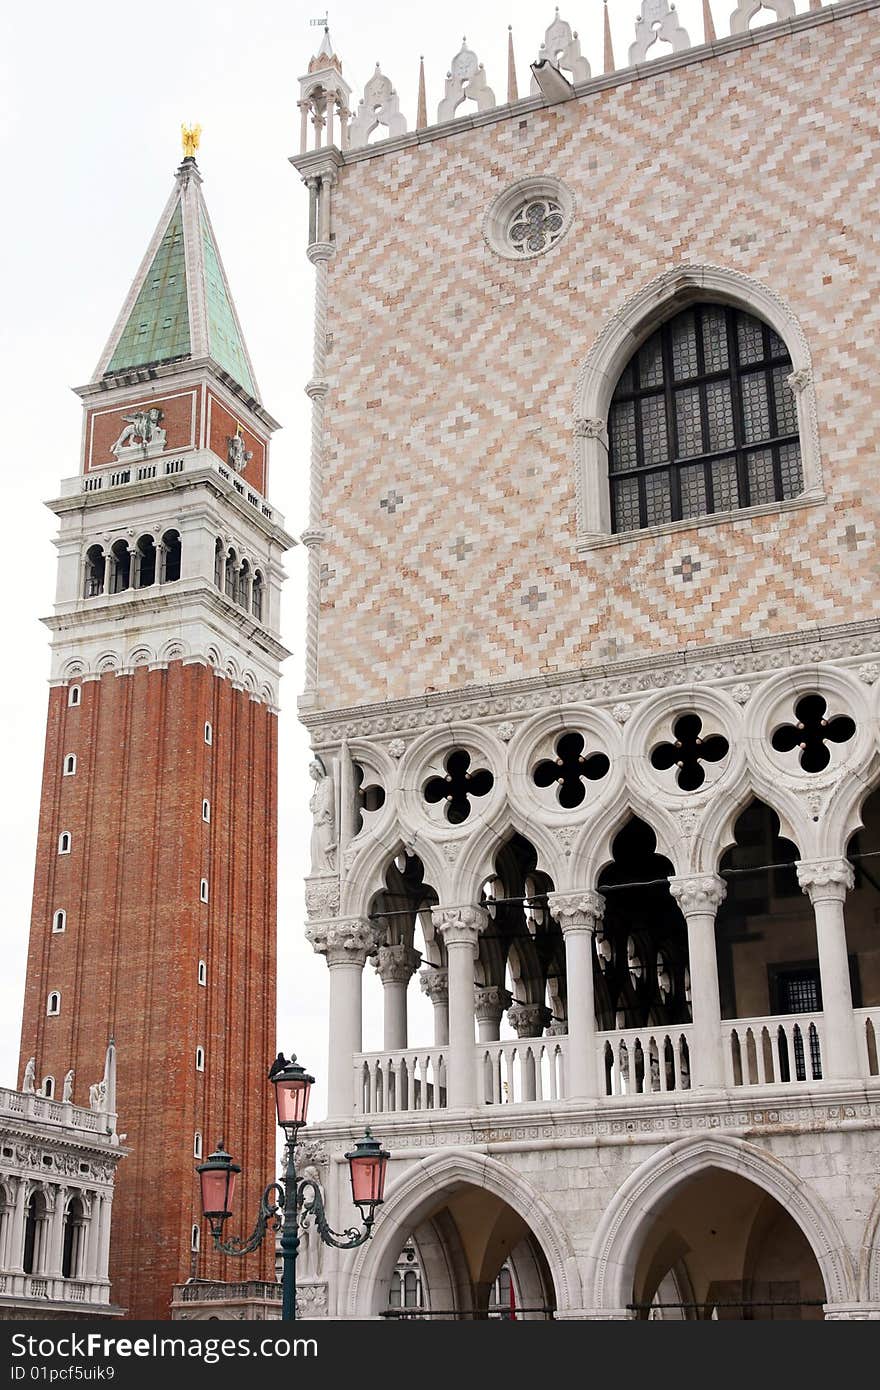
293,1086
368,1164
217,1178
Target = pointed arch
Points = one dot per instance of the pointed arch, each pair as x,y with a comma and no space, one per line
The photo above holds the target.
365,876
592,850
420,1190
626,1220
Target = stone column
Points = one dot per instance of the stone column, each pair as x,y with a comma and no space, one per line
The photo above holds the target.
491,1002
827,882
579,916
395,965
346,943
699,898
529,1020
435,984
15,1245
54,1253
460,929
91,1261
104,1238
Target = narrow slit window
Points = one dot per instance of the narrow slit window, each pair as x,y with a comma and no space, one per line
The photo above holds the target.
53,1003
206,810
195,1239
203,890
59,920
74,695
203,973
48,1087
200,1059
197,1145
209,732
64,842
70,765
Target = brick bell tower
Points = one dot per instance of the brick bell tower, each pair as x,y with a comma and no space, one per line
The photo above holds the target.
154,910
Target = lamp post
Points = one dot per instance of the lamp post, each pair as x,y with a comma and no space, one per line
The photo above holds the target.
367,1162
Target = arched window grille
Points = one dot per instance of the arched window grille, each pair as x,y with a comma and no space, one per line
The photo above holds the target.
73,1248
36,1234
94,577
146,562
257,596
242,596
120,567
231,575
172,550
703,420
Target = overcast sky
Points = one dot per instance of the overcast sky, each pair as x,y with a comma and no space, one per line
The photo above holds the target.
91,101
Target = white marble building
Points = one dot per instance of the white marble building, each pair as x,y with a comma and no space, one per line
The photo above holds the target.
57,1166
593,669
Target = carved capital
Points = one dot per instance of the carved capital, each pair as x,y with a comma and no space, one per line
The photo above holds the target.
322,897
344,941
577,912
798,381
529,1020
396,964
460,926
490,1001
585,428
435,983
822,879
700,895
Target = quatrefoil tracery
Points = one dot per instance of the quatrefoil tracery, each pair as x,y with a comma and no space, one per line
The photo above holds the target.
570,769
812,733
689,752
369,798
458,786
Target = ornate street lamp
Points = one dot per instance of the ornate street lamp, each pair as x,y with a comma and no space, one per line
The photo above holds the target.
367,1161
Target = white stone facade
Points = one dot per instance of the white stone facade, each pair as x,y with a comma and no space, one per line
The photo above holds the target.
615,786
57,1165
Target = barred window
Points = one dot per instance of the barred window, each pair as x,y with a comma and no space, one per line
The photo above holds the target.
703,420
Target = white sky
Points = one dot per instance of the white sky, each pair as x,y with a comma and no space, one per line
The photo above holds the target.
91,101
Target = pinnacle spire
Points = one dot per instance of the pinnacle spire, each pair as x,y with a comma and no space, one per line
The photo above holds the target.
609,49
422,111
180,306
512,92
708,23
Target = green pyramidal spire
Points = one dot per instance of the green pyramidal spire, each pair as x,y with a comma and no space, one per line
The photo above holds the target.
180,306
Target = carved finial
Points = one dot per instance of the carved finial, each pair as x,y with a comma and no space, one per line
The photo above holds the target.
190,136
708,23
422,109
512,92
657,20
609,50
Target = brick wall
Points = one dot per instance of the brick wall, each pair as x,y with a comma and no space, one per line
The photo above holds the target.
127,963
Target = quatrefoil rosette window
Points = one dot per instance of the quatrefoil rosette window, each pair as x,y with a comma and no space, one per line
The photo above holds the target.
371,779
529,218
454,782
811,727
687,747
565,764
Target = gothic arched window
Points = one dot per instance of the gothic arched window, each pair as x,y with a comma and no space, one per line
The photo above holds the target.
703,420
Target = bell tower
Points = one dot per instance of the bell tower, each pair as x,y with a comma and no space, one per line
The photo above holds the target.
154,909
